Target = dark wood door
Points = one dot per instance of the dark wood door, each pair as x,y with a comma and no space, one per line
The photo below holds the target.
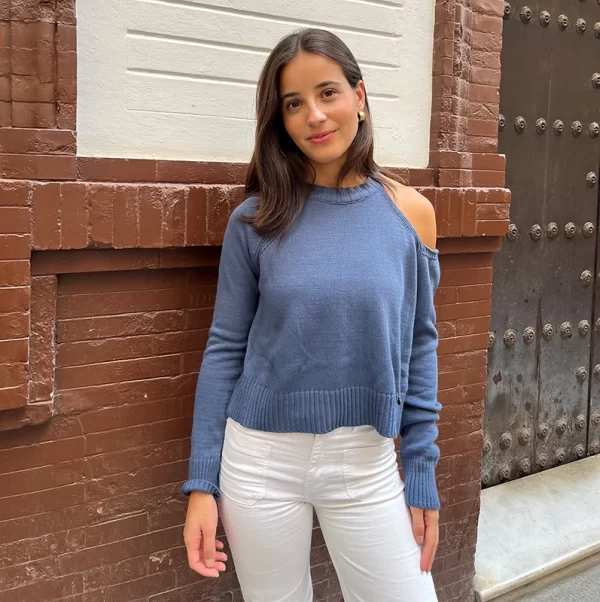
543,399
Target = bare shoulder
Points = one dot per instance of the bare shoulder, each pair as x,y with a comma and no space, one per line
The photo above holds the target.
417,209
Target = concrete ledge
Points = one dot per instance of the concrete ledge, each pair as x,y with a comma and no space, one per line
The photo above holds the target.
579,582
536,526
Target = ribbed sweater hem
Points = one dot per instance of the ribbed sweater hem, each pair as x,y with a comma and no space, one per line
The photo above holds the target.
313,411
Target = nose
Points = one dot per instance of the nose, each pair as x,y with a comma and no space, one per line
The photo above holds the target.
315,115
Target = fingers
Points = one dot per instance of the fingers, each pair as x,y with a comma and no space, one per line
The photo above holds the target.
192,545
426,531
195,553
418,524
430,547
209,548
432,538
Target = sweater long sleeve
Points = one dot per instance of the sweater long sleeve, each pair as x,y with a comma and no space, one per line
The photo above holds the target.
223,360
418,429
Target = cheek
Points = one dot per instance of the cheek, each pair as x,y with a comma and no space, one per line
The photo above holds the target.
345,115
293,126
349,126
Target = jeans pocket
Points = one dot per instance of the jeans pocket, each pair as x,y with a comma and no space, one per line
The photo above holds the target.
244,465
371,472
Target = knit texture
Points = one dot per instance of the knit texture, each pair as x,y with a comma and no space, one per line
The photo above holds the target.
332,327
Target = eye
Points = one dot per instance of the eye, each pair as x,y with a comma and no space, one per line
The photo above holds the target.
329,93
292,104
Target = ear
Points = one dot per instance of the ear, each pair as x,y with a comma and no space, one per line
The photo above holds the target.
361,95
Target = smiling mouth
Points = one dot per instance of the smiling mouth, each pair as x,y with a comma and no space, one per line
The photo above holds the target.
321,137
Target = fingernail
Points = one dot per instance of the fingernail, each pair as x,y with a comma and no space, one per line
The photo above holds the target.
210,563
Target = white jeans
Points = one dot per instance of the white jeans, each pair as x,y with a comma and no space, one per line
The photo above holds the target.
270,483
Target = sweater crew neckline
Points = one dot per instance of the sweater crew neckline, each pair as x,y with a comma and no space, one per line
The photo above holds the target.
343,196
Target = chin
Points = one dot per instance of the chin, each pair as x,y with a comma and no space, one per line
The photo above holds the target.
324,160
327,156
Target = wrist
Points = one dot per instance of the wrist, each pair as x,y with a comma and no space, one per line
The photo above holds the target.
200,495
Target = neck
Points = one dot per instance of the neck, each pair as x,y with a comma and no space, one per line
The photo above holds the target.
326,174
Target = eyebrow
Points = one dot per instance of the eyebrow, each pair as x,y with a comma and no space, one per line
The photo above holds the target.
317,87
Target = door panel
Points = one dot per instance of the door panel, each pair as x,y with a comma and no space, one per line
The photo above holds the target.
537,412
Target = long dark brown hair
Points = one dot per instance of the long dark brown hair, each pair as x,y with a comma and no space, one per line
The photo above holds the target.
279,172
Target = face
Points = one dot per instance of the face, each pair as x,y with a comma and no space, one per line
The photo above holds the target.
319,107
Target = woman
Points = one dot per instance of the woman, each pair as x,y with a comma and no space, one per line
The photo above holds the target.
321,351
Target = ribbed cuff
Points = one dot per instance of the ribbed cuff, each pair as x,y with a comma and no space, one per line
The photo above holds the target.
420,488
203,476
199,485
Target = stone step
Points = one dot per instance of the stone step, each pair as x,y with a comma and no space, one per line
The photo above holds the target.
579,582
539,532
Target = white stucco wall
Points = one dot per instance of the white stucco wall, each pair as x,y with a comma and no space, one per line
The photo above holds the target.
176,79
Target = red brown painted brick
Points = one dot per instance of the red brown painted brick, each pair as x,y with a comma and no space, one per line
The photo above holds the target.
174,215
12,397
37,167
116,170
126,217
108,260
196,216
46,216
36,142
151,216
33,62
65,12
42,339
5,60
12,351
15,220
66,116
32,115
13,325
66,38
15,246
74,216
29,88
14,299
100,199
190,172
488,179
492,227
15,193
29,415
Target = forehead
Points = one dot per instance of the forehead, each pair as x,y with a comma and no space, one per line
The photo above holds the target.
306,71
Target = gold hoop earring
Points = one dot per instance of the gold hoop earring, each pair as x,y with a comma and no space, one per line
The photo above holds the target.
361,116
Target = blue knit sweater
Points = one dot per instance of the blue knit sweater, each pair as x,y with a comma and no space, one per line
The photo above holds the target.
333,327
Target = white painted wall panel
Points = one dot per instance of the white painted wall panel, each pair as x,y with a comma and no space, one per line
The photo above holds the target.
174,20
176,79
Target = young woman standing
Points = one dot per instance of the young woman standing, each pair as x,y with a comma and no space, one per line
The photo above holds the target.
322,349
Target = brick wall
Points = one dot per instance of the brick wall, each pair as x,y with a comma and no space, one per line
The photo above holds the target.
107,280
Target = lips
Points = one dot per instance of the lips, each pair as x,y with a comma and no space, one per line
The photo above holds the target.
321,136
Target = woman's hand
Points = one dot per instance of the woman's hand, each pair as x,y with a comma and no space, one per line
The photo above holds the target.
199,535
426,529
